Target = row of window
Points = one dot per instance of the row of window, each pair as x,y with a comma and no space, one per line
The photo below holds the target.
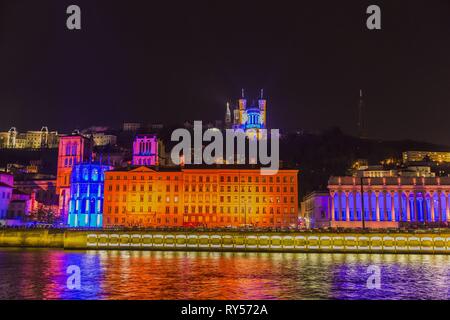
207,179
193,188
207,209
194,219
207,198
71,149
6,195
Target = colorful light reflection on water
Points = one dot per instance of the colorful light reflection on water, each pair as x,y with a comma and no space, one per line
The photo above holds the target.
41,274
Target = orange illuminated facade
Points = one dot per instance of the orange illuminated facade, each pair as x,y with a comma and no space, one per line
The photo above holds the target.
211,197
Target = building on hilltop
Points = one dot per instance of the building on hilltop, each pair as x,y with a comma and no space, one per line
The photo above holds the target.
12,139
249,117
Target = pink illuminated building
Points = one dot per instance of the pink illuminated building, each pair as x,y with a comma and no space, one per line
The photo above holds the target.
73,149
145,150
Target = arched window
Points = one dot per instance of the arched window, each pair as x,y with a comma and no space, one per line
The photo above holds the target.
412,207
336,206
373,204
397,207
404,207
92,206
366,206
351,205
420,199
74,149
68,148
443,206
85,174
388,206
343,207
358,206
83,205
94,175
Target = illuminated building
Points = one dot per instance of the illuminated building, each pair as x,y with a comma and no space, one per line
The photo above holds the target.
86,195
6,187
73,149
12,139
19,207
145,150
15,205
211,196
418,156
388,201
102,139
131,126
248,117
381,172
315,209
43,187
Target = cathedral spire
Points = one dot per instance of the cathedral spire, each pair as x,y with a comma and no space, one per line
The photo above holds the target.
228,115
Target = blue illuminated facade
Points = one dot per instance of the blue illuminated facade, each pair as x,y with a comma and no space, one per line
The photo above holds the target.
247,116
390,200
86,195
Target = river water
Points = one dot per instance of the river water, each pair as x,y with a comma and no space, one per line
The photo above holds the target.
42,274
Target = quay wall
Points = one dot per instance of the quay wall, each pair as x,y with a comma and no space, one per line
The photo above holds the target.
432,243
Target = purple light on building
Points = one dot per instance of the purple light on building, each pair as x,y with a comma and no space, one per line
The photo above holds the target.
145,150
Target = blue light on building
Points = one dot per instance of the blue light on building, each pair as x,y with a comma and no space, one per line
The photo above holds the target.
86,195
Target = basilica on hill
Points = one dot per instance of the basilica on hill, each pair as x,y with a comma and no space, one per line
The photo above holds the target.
249,117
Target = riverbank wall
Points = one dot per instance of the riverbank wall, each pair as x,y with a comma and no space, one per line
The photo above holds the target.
432,243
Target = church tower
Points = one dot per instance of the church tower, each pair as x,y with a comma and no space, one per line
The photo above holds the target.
262,103
228,117
72,149
242,108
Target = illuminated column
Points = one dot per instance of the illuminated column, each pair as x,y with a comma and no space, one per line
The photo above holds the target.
393,206
340,205
415,206
377,203
384,205
347,207
432,206
355,208
332,206
447,211
408,208
439,202
400,204
369,196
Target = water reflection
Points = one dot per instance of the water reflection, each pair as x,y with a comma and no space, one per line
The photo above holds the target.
41,274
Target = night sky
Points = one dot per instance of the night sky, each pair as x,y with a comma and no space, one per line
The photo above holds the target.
170,61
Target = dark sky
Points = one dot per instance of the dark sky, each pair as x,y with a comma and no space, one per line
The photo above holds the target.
170,61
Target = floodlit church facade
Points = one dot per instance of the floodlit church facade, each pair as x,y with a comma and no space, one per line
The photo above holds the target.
249,117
